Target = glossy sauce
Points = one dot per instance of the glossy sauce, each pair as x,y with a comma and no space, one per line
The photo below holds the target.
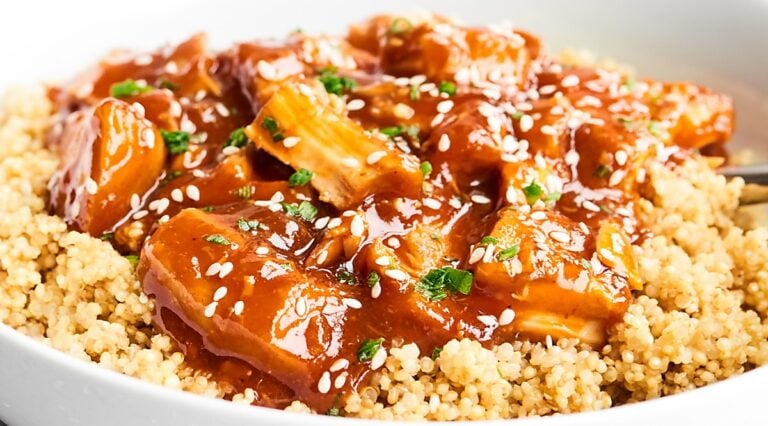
451,135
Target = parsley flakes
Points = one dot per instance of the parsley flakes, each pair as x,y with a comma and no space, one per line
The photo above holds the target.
217,239
128,88
533,192
270,125
300,177
176,141
448,88
247,225
368,349
304,210
237,138
335,84
435,285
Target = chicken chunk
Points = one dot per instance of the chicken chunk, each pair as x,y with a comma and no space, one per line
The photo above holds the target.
298,127
110,158
228,276
544,262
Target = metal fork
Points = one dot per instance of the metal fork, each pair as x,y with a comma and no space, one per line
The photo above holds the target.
756,177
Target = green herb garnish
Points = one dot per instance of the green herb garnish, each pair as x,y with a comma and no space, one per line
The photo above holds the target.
393,131
170,176
448,88
165,84
508,253
489,240
399,26
243,192
533,192
426,168
300,177
414,93
335,84
345,276
247,225
628,124
553,197
367,350
436,353
207,209
237,138
270,125
132,259
304,210
516,115
176,141
107,236
603,171
373,279
128,88
217,239
437,282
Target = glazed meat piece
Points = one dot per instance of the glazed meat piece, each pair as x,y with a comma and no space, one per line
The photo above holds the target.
262,66
541,261
299,127
443,51
111,156
247,296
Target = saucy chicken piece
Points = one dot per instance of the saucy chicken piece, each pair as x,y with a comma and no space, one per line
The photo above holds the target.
111,157
247,296
443,51
299,127
542,261
261,67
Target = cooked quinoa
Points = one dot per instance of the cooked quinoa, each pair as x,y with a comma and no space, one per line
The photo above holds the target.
701,316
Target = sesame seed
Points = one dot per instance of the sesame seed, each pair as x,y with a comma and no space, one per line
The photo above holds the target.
148,137
488,320
506,317
526,123
379,358
177,195
444,144
476,255
621,157
548,130
432,203
350,162
171,67
341,380
355,105
374,157
219,294
333,223
489,252
135,201
139,108
291,141
480,199
396,274
222,109
324,385
383,260
322,257
164,219
538,215
322,222
91,186
266,70
141,214
301,307
352,303
490,93
547,89
403,111
339,365
455,202
437,120
238,308
616,177
357,228
560,236
511,195
261,251
393,242
226,268
570,81
376,291
589,205
193,193
445,106
402,81
572,157
605,253
230,150
210,309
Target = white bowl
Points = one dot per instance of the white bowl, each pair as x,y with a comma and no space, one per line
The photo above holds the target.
721,44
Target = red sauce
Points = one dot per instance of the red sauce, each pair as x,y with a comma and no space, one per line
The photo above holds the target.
463,184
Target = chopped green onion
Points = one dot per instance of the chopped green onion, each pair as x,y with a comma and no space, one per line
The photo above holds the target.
436,352
132,259
247,225
414,93
435,284
244,192
176,141
399,26
345,276
271,126
426,168
489,240
373,279
603,171
533,192
553,197
516,115
335,84
217,239
367,350
508,253
237,138
128,88
300,177
165,84
448,88
393,131
304,210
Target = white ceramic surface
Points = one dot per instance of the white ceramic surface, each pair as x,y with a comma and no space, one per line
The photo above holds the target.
720,43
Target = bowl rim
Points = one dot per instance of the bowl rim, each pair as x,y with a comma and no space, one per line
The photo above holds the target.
175,397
